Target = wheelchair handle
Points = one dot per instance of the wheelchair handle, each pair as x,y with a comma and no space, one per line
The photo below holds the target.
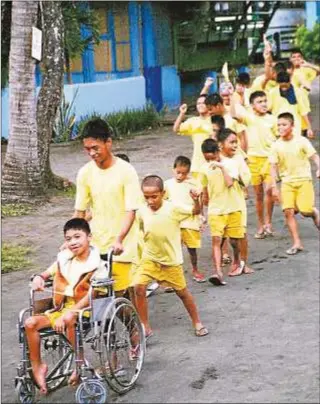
108,258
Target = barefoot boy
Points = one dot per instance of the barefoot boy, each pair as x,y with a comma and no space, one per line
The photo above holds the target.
71,273
178,192
162,254
290,157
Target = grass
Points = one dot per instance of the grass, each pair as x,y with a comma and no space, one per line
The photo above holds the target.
15,209
14,257
68,192
124,123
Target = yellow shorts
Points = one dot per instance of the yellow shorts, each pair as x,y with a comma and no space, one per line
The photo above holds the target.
121,273
191,238
229,225
298,195
168,276
53,317
260,170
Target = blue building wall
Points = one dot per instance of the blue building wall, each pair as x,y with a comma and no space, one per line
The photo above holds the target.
312,13
102,97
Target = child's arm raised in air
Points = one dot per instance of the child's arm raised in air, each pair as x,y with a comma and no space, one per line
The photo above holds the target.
183,110
207,84
311,66
237,110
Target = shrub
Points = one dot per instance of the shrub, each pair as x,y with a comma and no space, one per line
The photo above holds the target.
309,42
65,120
125,122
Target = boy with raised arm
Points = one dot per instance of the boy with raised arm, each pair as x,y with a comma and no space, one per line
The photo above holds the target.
198,127
290,157
162,253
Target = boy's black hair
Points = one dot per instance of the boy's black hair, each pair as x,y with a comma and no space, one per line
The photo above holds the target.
288,116
214,99
77,224
153,181
98,129
243,78
218,120
224,134
182,161
255,95
210,146
283,77
123,157
279,67
296,51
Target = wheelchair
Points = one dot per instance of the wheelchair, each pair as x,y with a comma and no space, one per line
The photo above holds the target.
112,341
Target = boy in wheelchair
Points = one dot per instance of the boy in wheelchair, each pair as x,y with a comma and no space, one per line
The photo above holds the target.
71,275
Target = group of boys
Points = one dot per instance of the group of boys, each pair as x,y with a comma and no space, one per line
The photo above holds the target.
251,134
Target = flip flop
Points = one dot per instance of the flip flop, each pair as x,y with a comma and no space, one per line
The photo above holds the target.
226,260
294,250
216,281
268,232
199,278
152,288
260,236
239,270
168,289
202,332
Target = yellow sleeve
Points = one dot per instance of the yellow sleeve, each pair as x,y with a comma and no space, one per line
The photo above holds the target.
131,190
182,212
83,194
245,174
273,156
52,269
309,74
186,128
303,102
309,149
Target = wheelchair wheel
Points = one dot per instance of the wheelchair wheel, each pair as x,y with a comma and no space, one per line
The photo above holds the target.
25,392
91,391
122,345
53,348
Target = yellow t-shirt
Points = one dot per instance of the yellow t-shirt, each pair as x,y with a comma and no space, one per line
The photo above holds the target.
222,199
304,75
292,158
162,234
199,129
262,131
257,84
110,193
277,105
179,194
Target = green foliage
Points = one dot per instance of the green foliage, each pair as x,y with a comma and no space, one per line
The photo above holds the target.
16,209
125,122
14,257
309,42
77,15
65,120
68,191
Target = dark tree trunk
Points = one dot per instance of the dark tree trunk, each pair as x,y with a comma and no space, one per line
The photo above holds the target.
52,84
21,175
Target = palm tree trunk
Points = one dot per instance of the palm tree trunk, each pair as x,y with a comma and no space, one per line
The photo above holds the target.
52,82
21,177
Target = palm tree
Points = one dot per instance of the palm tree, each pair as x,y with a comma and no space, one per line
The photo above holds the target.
21,176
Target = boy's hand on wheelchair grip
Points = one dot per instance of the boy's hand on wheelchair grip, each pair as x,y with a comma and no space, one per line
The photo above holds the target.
38,283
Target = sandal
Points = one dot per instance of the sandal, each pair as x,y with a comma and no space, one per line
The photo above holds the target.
268,232
200,278
216,281
226,260
260,236
294,250
201,332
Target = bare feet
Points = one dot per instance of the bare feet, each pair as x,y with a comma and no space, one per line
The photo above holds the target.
74,379
39,374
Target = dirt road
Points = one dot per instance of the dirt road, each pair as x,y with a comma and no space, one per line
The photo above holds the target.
264,328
